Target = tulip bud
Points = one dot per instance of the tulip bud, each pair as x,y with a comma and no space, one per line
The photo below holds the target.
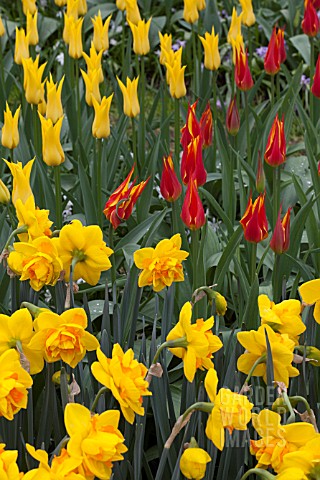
101,122
32,29
4,193
121,4
60,3
280,240
272,58
93,61
206,126
75,37
140,33
2,29
315,89
29,6
282,48
100,32
10,131
275,153
248,17
82,7
165,47
21,49
201,5
54,108
192,213
91,81
260,178
131,105
33,88
243,76
170,186
132,11
52,152
310,22
176,80
254,221
190,11
210,42
233,117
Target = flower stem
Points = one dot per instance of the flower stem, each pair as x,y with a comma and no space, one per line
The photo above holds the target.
261,359
95,402
272,90
176,133
247,128
134,146
177,343
36,139
72,266
98,183
78,107
112,259
253,262
57,180
292,416
258,471
142,129
22,229
276,281
203,406
214,107
311,96
195,61
297,398
276,193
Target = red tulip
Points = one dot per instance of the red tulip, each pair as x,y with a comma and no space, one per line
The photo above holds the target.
272,58
275,153
233,117
170,186
315,89
310,22
280,240
243,76
192,213
192,127
192,163
206,126
282,48
254,221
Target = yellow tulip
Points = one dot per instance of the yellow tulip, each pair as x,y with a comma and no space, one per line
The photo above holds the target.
235,26
237,45
211,51
91,81
132,11
173,59
4,193
248,17
66,29
21,49
83,8
33,88
201,4
2,29
73,9
190,11
165,47
29,6
93,61
52,152
101,122
100,32
140,33
176,80
121,4
60,3
32,29
131,105
10,132
21,180
75,38
54,108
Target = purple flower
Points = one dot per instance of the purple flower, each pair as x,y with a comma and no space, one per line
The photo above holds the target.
304,81
261,51
178,44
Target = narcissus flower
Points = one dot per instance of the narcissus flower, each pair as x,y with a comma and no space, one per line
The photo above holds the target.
193,463
140,33
284,317
33,88
235,26
165,47
21,49
9,469
14,381
100,32
275,153
101,122
132,11
32,29
248,17
277,440
243,76
310,294
230,410
195,342
125,377
233,117
63,337
256,348
37,220
192,213
95,439
129,91
10,132
170,186
254,221
37,261
210,43
280,240
310,23
54,109
21,180
52,152
161,266
315,88
190,11
92,80
121,202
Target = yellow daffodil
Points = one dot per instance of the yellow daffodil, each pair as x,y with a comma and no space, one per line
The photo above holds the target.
16,332
165,47
230,410
37,261
161,266
93,62
129,91
101,122
8,463
29,6
195,342
310,294
140,33
190,11
101,32
52,152
92,81
193,463
86,248
95,439
75,37
248,17
4,193
10,131
211,51
306,461
14,381
125,377
21,49
175,76
63,337
32,29
256,349
37,220
54,109
277,440
2,29
33,88
283,317
132,11
21,180
235,26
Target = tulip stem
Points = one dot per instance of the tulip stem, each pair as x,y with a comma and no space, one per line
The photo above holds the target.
275,279
177,132
195,61
176,343
99,187
57,180
95,402
35,131
214,107
134,145
276,193
253,262
78,107
11,154
247,128
195,266
272,90
311,96
113,258
142,129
